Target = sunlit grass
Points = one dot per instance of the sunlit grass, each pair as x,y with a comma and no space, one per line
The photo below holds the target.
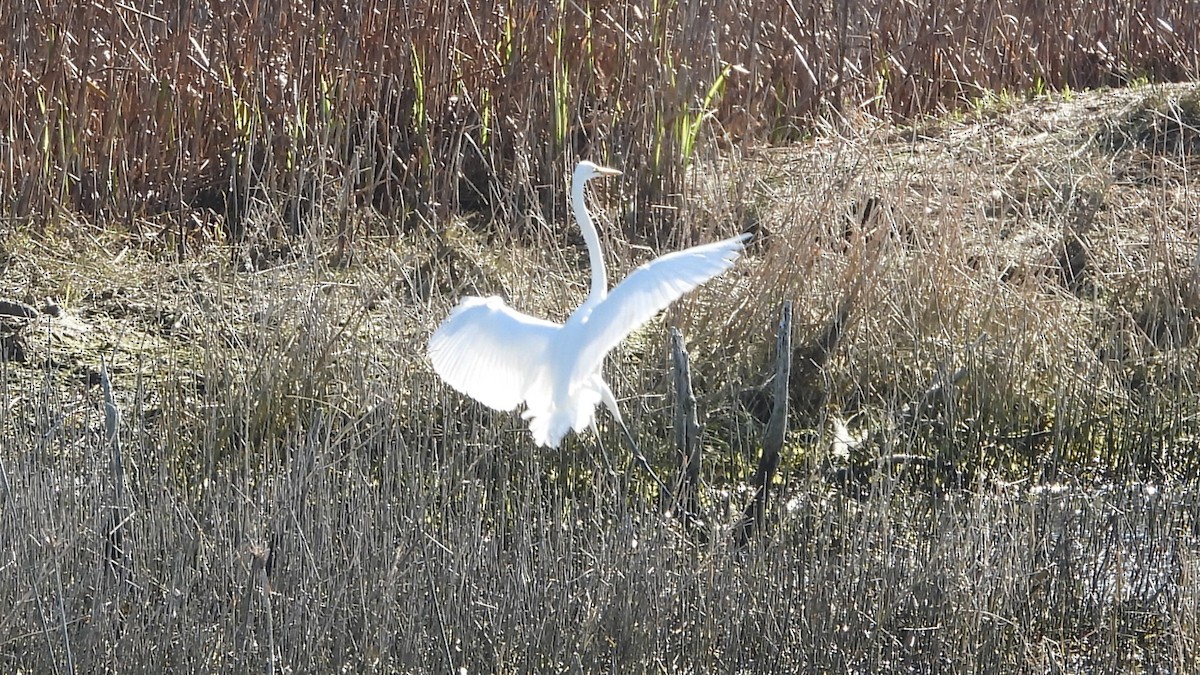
253,220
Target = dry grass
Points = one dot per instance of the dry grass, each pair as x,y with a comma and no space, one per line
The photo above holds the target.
358,539
194,114
254,215
303,494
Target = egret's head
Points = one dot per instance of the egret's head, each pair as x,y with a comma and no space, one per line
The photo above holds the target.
586,170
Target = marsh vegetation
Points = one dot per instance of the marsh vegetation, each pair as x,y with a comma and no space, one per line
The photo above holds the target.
229,232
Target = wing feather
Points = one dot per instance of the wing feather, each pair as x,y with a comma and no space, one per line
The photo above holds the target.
646,292
490,352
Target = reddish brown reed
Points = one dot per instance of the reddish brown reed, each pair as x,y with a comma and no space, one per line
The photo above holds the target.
422,109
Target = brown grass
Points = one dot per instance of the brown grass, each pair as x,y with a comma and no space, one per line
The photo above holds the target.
252,215
191,109
304,494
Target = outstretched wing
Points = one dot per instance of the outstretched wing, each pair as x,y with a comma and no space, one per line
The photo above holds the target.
648,291
489,351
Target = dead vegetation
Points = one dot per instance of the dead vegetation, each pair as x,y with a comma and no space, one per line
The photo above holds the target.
1004,334
181,122
254,224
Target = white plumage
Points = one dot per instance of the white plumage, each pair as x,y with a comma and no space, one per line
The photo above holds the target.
503,358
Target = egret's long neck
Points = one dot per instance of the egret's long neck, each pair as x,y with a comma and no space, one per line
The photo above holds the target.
599,275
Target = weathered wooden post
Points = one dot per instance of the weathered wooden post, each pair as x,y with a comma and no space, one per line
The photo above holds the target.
687,437
768,463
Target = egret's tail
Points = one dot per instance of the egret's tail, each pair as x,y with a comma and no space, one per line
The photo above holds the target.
550,421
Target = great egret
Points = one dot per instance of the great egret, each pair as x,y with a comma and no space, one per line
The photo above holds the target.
503,358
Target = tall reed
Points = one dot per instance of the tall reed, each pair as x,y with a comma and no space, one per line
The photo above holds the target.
423,108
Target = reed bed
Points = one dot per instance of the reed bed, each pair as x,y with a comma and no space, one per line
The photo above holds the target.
174,120
223,449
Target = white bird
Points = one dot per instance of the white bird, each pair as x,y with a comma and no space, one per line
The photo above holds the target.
503,358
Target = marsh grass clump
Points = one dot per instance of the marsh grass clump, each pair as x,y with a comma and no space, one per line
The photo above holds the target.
1159,125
